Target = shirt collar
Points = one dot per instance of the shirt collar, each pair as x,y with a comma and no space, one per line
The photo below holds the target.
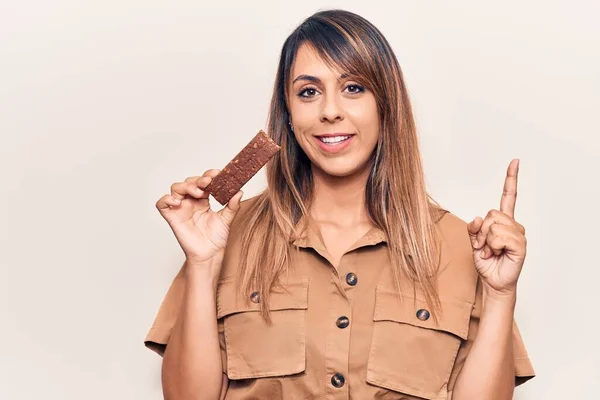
311,238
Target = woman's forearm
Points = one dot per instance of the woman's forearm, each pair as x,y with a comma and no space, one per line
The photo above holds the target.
488,372
192,367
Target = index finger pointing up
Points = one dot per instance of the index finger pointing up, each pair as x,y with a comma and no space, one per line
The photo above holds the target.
509,195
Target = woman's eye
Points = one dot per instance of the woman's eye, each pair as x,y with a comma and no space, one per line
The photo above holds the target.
312,92
355,89
308,92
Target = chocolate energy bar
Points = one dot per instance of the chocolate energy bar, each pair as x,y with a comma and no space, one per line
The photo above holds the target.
243,167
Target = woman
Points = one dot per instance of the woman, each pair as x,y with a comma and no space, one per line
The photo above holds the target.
343,279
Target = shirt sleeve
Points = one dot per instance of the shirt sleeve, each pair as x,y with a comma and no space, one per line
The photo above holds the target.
164,321
158,336
523,367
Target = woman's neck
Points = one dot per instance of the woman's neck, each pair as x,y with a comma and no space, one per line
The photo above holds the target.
339,200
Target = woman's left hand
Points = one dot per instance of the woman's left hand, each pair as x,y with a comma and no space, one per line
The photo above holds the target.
498,241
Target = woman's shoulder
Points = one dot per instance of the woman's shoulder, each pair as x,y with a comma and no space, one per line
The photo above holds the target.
452,229
456,244
451,223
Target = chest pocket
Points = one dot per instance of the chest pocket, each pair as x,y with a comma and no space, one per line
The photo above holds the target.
410,353
255,348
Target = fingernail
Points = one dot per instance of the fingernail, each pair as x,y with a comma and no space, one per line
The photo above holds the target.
482,253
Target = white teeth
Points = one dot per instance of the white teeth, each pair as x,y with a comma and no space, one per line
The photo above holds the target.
334,139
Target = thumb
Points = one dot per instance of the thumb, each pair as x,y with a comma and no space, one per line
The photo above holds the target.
474,227
230,210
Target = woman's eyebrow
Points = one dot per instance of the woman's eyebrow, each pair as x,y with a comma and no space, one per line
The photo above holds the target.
309,78
314,79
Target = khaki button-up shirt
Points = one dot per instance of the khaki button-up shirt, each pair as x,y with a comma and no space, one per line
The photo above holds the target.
345,333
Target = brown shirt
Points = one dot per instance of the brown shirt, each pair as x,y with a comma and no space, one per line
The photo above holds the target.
345,333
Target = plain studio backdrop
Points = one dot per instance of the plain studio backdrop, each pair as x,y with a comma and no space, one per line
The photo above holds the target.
104,104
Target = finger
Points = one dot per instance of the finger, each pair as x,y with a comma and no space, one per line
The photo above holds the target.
203,180
211,172
499,244
180,189
166,202
493,217
210,175
192,179
231,208
509,194
501,238
473,228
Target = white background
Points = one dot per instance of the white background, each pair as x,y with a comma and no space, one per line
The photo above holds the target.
104,104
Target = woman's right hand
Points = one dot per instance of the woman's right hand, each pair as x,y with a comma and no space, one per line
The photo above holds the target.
201,232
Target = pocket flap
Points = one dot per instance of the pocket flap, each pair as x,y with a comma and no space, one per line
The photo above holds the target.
454,318
293,295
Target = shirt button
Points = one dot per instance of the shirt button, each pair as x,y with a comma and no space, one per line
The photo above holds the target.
351,279
255,297
423,314
338,380
342,322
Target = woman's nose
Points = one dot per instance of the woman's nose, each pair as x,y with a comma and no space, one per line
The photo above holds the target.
331,110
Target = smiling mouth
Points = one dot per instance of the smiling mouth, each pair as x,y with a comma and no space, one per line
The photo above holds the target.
331,140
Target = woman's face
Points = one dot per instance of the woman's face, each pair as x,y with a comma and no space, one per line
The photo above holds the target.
335,120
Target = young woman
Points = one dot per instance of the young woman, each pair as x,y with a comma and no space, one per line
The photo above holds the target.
343,279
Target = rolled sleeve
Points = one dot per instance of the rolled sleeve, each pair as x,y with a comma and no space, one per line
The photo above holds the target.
524,370
523,366
158,336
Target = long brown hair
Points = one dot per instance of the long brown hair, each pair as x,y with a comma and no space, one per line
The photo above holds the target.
396,196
